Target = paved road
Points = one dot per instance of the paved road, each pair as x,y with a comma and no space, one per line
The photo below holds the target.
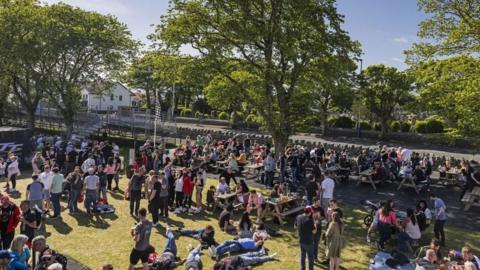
437,151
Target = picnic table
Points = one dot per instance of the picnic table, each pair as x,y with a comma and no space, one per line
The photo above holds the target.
224,199
472,198
253,171
338,171
408,181
452,177
288,200
366,177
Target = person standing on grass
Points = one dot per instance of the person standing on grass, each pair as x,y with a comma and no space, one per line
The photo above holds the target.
335,241
179,193
135,186
200,182
76,185
102,177
328,186
56,191
110,170
35,193
306,231
13,171
163,195
318,216
90,189
154,199
9,219
28,222
188,191
440,218
46,180
141,235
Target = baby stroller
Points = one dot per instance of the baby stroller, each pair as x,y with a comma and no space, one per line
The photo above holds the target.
372,208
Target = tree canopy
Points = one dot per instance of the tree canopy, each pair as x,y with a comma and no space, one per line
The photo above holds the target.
275,42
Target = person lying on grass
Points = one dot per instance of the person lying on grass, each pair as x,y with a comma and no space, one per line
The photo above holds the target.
244,261
240,245
205,235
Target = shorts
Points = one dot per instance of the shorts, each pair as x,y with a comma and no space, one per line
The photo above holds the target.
140,255
46,194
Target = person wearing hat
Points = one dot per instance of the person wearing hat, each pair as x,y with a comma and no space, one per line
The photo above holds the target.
9,219
306,231
4,259
90,189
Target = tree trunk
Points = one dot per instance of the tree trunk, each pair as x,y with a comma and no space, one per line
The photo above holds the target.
280,140
384,131
30,120
323,122
68,117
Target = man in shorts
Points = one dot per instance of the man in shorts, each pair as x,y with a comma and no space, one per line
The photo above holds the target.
141,234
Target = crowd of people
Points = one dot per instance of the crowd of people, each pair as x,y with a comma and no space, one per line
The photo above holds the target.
174,181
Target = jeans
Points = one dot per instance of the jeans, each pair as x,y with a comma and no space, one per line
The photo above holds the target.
385,231
153,207
228,246
403,239
194,255
306,250
252,260
102,192
438,230
56,203
90,200
316,242
171,245
269,178
294,175
135,196
109,181
7,239
72,200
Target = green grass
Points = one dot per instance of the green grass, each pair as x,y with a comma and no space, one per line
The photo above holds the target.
106,239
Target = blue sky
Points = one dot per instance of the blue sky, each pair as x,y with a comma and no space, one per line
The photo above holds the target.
384,27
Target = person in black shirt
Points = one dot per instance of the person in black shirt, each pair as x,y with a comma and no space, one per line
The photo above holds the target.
154,199
306,231
137,182
313,189
224,219
28,222
228,175
318,216
206,235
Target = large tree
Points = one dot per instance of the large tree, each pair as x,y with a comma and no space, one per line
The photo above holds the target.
275,40
382,89
22,62
84,48
452,28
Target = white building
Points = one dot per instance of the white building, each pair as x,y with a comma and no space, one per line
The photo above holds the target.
117,96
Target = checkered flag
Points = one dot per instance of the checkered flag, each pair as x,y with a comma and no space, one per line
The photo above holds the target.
158,109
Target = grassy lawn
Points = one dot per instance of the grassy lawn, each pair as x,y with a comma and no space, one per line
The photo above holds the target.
106,239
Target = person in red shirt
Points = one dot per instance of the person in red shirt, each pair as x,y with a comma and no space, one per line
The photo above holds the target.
9,219
188,190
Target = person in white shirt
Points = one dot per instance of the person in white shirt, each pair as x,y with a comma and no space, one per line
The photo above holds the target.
46,179
13,171
88,163
90,188
179,194
222,187
328,186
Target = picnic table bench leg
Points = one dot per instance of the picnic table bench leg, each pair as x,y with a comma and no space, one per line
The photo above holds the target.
372,183
401,183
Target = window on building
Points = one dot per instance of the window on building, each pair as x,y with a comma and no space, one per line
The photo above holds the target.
120,98
111,97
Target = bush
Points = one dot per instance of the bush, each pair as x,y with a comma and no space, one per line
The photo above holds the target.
251,118
377,126
434,126
405,127
222,115
201,105
395,126
198,114
240,116
365,125
330,121
206,116
343,122
186,112
421,126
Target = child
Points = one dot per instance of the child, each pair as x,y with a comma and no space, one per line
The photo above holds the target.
187,191
211,197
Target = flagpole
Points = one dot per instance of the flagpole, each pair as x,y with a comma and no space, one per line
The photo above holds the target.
156,116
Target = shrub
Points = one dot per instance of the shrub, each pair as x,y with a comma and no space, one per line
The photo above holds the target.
206,116
405,127
377,126
365,125
330,121
186,112
198,114
434,126
343,122
421,126
240,116
251,118
222,115
254,111
395,126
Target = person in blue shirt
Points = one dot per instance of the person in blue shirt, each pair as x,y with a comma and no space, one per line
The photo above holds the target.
240,245
440,218
19,253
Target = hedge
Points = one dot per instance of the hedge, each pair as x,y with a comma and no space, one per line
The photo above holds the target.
198,114
365,125
223,116
343,122
405,127
429,126
186,112
251,118
396,126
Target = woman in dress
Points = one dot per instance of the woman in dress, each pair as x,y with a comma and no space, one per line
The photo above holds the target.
335,241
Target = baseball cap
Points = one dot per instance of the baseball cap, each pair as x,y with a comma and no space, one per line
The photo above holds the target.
308,209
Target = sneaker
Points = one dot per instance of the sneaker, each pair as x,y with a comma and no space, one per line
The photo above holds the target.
275,255
212,252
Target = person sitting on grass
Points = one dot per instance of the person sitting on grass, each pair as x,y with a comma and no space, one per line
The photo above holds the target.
168,259
255,201
245,226
240,245
224,221
210,198
205,236
244,261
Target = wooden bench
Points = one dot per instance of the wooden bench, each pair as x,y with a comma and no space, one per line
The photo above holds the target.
292,211
408,182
